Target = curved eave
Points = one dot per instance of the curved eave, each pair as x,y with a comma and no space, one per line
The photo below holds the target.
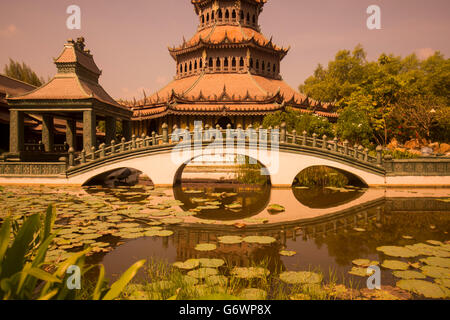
269,47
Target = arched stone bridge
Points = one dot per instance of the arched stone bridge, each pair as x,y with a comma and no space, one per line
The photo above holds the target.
163,157
284,155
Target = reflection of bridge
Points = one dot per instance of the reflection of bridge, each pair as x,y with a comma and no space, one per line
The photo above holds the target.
163,159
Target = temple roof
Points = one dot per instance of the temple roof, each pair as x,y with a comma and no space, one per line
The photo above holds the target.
227,93
220,35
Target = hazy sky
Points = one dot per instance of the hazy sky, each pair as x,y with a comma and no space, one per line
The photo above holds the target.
129,39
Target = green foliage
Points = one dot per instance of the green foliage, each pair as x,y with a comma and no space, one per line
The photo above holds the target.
21,272
354,125
249,173
321,176
394,93
23,72
310,123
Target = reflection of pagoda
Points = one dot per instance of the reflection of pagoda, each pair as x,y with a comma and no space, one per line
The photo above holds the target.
228,73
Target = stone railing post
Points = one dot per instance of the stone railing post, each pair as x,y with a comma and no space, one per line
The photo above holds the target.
92,153
366,154
122,145
314,143
71,157
355,151
283,136
346,147
143,141
335,144
102,150
304,138
165,133
207,133
83,156
133,142
324,142
379,155
154,138
294,136
113,147
360,152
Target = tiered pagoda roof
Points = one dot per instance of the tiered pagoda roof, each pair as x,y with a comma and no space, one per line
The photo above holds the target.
227,68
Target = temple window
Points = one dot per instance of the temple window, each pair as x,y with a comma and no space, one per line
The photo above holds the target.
181,68
225,62
241,62
218,63
212,16
201,63
233,63
242,15
248,18
263,66
274,68
257,64
210,64
233,15
195,65
227,14
203,19
185,67
220,14
268,67
190,66
207,17
251,62
254,19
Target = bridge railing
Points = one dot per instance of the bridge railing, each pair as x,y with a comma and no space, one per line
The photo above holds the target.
235,136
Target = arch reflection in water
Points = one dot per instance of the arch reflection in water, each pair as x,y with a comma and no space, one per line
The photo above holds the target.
323,198
217,202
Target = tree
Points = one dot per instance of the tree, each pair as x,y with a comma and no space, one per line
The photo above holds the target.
22,72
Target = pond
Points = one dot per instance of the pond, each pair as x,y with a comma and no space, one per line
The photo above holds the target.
326,229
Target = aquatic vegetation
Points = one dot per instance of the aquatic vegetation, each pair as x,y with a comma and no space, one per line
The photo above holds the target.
249,273
394,251
408,274
205,247
287,253
259,239
275,209
300,277
425,288
230,239
395,265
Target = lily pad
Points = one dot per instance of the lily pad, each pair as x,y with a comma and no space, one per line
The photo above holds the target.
287,253
253,294
408,274
300,277
259,239
230,239
395,265
436,272
437,262
211,263
365,263
424,288
361,272
205,247
395,251
202,273
216,280
250,273
275,208
188,264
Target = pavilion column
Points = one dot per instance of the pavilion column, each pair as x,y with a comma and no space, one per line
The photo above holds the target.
71,133
110,124
89,130
48,133
126,128
16,131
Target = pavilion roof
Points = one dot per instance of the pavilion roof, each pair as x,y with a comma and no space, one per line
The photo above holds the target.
76,79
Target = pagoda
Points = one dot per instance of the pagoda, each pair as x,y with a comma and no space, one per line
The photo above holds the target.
227,73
